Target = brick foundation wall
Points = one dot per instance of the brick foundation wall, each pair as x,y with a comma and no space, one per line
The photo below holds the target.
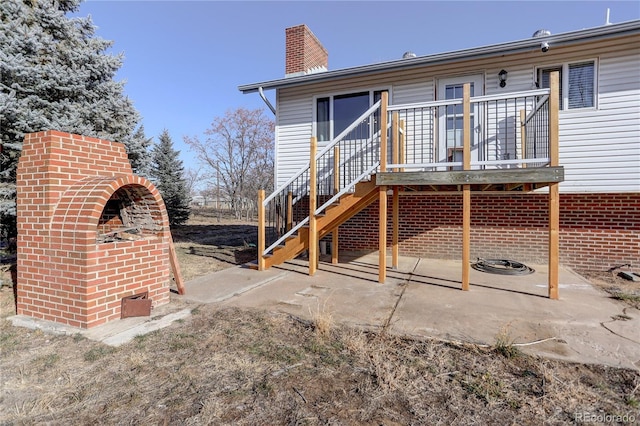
597,231
64,184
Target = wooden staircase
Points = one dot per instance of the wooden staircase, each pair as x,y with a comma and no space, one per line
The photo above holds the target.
336,214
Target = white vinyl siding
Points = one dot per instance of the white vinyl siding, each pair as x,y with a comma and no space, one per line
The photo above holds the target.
293,133
599,146
600,149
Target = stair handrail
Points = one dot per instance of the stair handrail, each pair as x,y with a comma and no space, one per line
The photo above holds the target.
331,144
306,168
348,130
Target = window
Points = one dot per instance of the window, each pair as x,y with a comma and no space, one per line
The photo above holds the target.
346,108
335,113
577,84
323,123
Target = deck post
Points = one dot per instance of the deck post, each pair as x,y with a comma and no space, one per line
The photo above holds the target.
261,230
395,142
383,132
336,189
466,189
313,231
554,195
395,155
523,136
382,193
334,246
289,211
395,250
401,144
382,234
336,169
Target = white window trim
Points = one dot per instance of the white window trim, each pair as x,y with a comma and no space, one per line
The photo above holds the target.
565,83
314,122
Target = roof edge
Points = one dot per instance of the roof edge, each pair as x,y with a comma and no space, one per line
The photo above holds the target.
604,31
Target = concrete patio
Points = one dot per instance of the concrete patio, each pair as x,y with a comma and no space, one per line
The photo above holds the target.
422,298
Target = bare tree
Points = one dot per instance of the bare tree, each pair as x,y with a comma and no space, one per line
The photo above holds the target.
239,153
193,180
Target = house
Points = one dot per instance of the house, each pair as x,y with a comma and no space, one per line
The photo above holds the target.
514,170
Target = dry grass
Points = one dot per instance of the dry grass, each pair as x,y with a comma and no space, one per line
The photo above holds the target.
229,366
618,287
245,367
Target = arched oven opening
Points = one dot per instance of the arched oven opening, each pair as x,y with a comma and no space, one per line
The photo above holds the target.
130,214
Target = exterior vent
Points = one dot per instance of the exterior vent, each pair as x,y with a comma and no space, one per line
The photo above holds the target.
541,33
408,55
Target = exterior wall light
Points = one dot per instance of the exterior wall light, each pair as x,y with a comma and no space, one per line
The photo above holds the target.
502,76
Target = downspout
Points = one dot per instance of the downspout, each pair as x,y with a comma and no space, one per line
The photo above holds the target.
266,101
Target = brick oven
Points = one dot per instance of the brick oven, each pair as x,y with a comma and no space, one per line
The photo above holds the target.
90,232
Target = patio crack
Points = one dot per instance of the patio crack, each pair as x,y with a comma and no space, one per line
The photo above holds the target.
404,285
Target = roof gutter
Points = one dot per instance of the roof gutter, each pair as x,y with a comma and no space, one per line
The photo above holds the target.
266,101
527,45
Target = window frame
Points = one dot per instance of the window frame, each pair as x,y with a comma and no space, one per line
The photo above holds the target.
331,96
564,89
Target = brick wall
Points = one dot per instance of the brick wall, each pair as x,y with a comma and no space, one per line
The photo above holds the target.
303,51
597,231
64,184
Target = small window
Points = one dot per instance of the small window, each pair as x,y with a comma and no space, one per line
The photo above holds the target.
581,82
577,84
323,120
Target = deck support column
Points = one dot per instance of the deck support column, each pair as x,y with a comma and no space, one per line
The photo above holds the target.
334,246
395,251
261,230
382,192
313,226
382,234
554,195
395,159
336,189
466,189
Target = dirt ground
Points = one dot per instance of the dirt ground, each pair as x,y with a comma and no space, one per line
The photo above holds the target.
212,241
242,367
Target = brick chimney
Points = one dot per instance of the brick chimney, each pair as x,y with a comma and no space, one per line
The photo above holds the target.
304,53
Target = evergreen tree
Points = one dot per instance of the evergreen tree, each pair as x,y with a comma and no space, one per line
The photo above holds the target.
168,175
54,75
139,154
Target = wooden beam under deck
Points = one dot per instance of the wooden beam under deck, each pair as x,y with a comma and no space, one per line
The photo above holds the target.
510,177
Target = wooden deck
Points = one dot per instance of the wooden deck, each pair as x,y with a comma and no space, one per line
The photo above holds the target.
522,175
479,180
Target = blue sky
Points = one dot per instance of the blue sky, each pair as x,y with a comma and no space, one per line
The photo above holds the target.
184,60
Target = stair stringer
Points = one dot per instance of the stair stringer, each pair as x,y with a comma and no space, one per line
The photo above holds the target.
350,204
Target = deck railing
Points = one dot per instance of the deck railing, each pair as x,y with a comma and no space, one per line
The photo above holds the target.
535,132
433,133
